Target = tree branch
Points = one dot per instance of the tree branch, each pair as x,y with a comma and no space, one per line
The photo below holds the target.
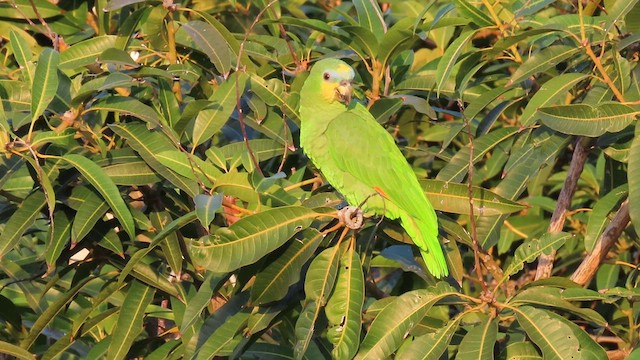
545,263
591,263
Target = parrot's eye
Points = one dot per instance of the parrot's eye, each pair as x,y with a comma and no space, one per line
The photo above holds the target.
326,76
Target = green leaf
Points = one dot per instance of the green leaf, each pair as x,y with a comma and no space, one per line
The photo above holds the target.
117,4
250,238
15,351
344,308
541,61
206,207
59,239
263,149
200,300
599,217
109,191
555,337
23,54
458,166
148,144
530,250
91,210
321,275
430,346
171,246
479,342
211,42
21,9
127,106
44,90
370,17
85,52
633,177
550,92
20,221
547,296
273,282
169,106
454,198
519,351
129,323
189,166
210,120
157,239
450,57
397,319
271,92
587,120
478,16
131,173
318,285
52,309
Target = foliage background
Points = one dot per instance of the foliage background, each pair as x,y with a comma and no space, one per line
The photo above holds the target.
153,201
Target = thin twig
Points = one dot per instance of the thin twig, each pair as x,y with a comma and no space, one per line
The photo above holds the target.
50,34
472,219
591,263
580,152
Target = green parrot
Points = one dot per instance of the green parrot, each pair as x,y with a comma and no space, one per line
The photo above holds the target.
359,158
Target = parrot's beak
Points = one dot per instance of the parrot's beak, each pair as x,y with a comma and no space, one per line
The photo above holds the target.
344,91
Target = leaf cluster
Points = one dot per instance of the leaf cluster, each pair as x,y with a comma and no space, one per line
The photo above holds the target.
154,202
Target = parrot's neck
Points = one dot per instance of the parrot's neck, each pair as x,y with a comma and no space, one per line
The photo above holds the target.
315,115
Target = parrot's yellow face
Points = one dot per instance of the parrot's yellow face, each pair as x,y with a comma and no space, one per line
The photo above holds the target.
337,83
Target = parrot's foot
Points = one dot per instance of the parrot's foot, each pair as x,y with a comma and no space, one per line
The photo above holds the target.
351,216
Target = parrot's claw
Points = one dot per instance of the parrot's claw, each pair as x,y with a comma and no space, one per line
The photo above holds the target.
351,216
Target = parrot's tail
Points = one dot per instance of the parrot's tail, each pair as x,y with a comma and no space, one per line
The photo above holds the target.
426,238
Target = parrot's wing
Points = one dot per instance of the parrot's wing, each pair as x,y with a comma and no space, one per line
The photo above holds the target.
365,150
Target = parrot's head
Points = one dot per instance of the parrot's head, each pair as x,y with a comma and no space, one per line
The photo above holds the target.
335,78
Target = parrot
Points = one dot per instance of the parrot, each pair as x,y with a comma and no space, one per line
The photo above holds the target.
361,160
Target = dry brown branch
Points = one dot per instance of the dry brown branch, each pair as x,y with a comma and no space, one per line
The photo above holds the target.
610,235
545,263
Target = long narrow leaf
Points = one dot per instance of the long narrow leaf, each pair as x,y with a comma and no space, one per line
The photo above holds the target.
344,308
129,324
44,90
20,221
109,191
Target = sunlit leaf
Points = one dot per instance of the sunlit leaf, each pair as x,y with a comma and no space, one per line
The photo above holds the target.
103,184
587,120
250,238
344,307
479,342
454,198
43,90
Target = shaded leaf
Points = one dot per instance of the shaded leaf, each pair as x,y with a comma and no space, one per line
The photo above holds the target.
273,282
20,221
129,323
